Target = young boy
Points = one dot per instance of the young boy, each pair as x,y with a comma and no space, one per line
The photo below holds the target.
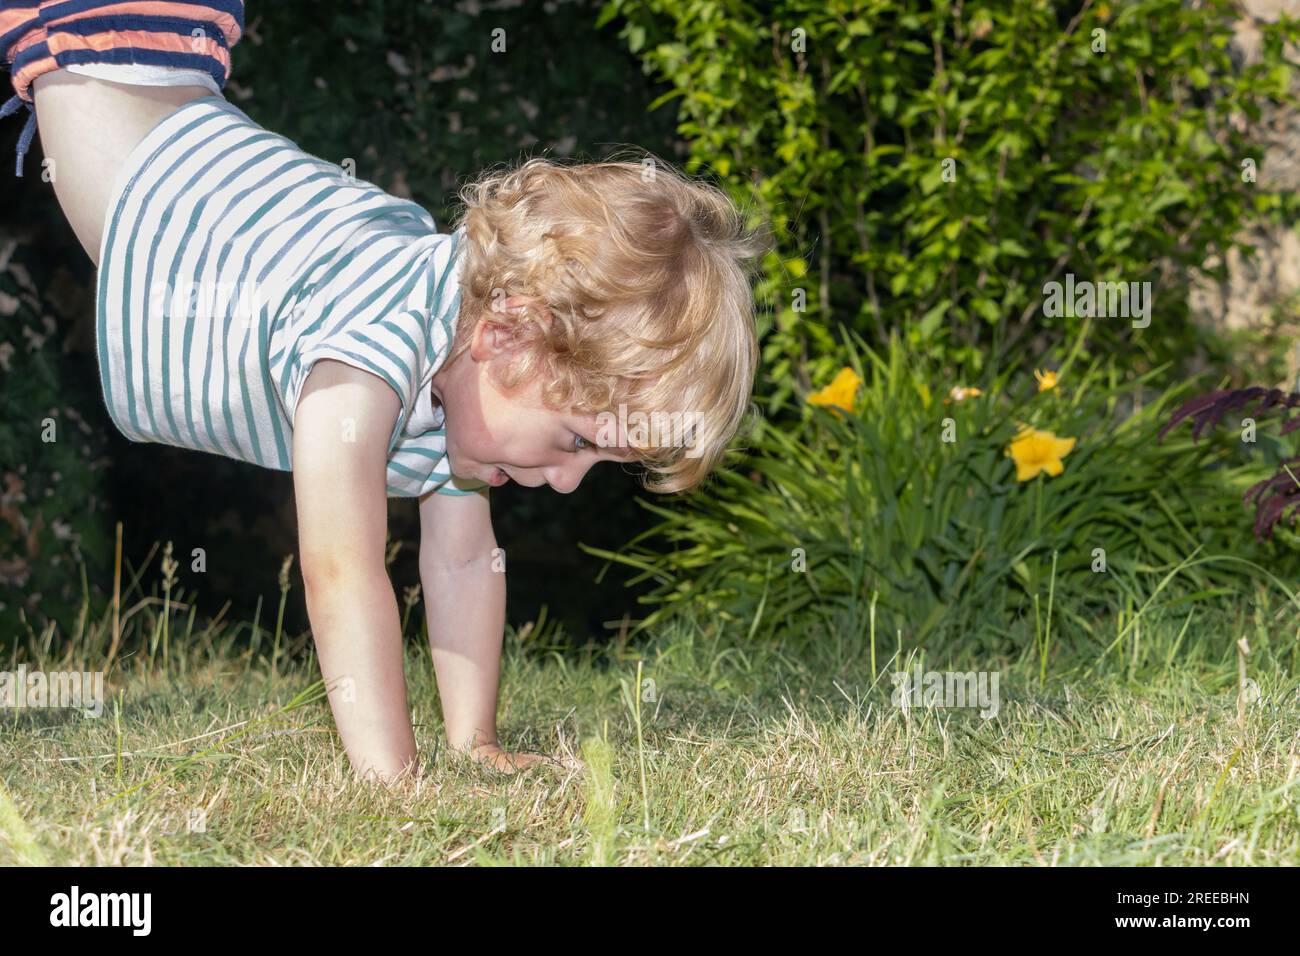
258,302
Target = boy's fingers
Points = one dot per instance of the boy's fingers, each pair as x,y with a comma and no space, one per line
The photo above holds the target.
523,761
570,762
511,761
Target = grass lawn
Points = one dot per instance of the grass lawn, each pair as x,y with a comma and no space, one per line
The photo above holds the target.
1145,752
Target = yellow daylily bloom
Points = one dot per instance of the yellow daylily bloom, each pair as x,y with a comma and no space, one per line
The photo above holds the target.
1046,379
839,393
959,393
1034,451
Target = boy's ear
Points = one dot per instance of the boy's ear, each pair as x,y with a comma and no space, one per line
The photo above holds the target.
491,338
496,331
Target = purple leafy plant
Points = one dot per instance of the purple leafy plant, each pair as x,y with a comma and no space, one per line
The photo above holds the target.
1277,498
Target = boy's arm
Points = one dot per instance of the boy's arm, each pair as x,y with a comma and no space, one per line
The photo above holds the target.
342,424
464,584
465,605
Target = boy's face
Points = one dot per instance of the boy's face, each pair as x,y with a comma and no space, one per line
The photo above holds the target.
495,436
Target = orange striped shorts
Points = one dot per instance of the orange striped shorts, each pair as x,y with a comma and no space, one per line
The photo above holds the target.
37,36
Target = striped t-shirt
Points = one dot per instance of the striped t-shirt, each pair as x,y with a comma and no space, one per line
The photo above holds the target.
232,261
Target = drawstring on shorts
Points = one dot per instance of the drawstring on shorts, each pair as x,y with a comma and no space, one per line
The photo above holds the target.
13,105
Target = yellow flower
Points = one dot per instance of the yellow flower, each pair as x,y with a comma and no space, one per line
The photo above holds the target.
959,393
839,393
1046,379
1035,451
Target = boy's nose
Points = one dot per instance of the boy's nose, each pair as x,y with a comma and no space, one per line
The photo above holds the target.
566,479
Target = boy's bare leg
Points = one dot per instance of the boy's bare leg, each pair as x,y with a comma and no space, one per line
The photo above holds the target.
89,127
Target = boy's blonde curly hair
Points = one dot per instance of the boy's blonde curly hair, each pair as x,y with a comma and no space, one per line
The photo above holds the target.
646,274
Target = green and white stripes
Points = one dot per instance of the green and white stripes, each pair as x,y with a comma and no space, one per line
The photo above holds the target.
232,261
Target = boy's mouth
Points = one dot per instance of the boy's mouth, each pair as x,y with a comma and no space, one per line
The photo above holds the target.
498,478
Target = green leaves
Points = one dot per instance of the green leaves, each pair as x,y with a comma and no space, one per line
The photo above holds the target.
931,320
54,485
1115,159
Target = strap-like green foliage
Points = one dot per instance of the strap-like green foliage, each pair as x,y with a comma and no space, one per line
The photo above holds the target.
913,503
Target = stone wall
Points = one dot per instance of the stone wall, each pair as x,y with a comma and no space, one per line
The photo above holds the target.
1264,288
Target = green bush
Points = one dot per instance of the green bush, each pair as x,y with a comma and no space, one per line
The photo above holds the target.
838,117
423,96
52,503
911,504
